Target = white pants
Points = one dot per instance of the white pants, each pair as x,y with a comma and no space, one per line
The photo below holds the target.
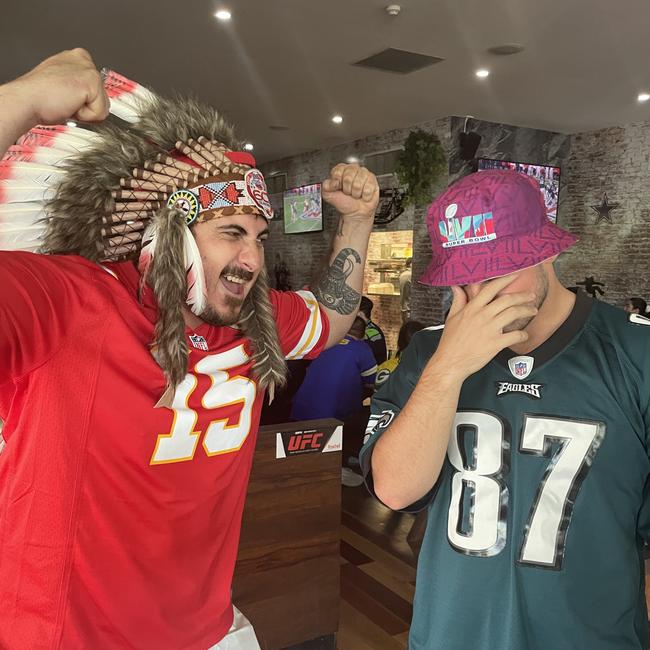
241,635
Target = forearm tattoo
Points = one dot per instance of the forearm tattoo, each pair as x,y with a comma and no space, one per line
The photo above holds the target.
332,290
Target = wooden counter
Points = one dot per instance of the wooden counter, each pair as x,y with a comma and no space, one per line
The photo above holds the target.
288,568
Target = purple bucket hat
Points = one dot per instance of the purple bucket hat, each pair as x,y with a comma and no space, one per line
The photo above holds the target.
487,225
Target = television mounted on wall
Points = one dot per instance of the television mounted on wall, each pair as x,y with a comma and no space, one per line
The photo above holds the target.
547,176
303,209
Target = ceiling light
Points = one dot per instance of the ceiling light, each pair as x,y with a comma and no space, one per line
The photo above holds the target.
643,97
71,123
353,160
482,73
223,14
337,119
249,147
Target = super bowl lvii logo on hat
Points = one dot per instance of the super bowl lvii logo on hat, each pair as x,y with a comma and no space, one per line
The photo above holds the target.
460,231
490,224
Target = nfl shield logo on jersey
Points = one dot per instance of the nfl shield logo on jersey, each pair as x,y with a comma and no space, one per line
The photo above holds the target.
521,367
198,342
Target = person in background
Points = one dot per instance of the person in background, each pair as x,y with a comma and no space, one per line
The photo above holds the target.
403,338
338,380
334,387
636,305
373,333
405,291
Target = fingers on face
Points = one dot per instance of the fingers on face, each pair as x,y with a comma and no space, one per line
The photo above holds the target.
512,314
507,300
491,288
514,338
459,300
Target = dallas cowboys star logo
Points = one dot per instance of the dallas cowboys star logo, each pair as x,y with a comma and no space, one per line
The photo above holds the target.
603,210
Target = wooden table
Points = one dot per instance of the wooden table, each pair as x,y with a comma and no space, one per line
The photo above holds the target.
288,569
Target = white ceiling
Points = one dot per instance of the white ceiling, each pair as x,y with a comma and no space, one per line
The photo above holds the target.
287,62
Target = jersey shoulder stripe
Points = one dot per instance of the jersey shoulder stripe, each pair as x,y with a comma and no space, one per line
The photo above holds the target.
313,328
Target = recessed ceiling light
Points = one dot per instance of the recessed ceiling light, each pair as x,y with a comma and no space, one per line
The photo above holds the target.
71,123
249,147
337,119
643,97
223,14
482,73
353,160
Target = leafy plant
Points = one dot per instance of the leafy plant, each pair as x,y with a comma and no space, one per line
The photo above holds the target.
420,165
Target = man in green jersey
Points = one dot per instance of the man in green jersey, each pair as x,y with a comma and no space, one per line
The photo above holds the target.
523,426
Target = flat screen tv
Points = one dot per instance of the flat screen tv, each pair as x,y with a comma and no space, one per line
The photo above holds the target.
547,176
303,209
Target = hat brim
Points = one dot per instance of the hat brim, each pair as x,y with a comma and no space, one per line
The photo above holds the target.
480,262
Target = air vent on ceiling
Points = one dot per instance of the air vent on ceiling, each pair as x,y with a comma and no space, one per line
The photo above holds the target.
399,61
507,49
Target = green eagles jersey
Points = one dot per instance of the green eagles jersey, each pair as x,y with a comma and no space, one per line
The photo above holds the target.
537,522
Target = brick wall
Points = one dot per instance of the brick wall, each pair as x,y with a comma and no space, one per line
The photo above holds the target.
305,253
615,161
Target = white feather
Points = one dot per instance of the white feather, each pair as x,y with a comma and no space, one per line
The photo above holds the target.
24,171
148,249
24,191
17,208
21,218
196,288
22,238
124,110
127,98
38,156
54,140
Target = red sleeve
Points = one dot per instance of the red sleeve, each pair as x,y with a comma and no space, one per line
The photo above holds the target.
40,296
303,326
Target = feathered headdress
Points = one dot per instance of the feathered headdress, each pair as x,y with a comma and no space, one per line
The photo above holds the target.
130,188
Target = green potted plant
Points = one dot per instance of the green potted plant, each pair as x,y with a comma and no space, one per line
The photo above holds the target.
421,163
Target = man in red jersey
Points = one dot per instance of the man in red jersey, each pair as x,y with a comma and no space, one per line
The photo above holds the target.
134,361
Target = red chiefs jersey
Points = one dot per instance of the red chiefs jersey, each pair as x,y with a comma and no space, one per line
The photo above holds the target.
119,522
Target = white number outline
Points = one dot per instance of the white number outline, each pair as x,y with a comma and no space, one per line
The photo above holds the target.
577,478
460,484
216,367
573,488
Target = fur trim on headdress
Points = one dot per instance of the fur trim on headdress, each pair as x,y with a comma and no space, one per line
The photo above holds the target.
97,191
168,121
166,276
79,221
257,322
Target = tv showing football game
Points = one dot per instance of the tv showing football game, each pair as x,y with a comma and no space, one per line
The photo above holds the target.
303,209
547,176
